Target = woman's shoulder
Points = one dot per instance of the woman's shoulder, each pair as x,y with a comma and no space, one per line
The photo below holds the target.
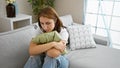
64,34
63,29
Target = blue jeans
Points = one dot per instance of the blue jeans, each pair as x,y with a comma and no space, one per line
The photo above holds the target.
35,62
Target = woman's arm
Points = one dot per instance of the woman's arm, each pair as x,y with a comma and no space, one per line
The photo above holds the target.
35,49
57,50
53,53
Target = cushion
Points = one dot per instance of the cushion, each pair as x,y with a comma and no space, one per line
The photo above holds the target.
80,37
67,20
47,37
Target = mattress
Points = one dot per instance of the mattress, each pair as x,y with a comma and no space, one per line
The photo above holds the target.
99,57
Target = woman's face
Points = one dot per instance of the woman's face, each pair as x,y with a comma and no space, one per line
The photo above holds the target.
47,24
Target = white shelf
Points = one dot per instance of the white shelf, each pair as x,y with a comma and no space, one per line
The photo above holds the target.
21,20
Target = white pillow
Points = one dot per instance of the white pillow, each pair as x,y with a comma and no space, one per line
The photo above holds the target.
80,37
67,20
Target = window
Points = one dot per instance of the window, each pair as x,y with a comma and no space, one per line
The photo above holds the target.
104,17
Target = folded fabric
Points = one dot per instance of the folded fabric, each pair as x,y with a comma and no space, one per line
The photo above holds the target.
47,37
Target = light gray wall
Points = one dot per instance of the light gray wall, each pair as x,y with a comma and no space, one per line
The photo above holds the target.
73,7
2,8
63,7
23,7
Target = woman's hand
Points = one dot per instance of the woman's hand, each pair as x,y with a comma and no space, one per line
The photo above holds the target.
61,46
53,53
35,49
57,50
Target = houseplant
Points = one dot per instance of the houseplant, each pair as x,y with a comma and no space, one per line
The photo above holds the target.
37,5
10,1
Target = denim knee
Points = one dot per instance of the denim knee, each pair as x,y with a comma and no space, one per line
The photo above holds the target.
49,62
62,62
33,62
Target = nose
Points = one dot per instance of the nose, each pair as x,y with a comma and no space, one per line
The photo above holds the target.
45,27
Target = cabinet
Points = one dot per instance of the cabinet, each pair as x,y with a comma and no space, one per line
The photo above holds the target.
21,20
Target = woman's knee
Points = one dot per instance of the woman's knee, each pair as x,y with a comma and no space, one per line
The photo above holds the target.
33,62
63,62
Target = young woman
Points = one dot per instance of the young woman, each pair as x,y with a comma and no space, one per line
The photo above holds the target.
49,55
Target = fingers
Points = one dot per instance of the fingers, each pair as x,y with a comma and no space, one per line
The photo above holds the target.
53,52
63,41
61,46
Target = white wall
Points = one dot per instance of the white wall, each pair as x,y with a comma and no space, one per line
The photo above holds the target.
25,7
73,7
2,7
63,7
